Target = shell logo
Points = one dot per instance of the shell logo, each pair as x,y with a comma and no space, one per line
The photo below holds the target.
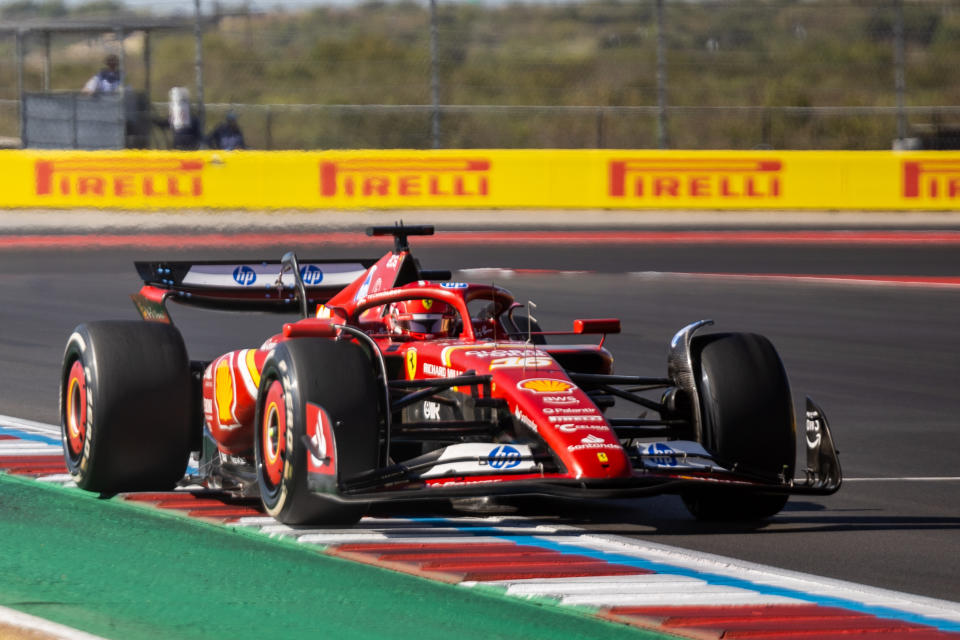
223,383
546,385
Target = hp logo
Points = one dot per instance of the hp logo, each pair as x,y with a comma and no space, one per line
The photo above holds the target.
311,274
666,455
244,275
503,457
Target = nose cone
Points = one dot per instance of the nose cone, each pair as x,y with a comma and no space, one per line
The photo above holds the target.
565,417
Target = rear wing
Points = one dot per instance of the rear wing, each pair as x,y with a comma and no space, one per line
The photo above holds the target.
257,285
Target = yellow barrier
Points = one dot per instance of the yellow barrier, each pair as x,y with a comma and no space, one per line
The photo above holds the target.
480,178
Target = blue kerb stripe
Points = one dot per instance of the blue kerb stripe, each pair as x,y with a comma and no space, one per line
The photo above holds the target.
710,578
23,435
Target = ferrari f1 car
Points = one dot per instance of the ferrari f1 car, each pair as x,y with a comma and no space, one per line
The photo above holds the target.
397,383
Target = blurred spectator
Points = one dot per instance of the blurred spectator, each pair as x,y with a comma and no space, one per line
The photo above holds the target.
107,80
227,135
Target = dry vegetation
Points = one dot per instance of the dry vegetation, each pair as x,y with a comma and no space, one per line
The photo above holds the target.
760,57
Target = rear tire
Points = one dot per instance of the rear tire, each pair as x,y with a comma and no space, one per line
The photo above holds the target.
748,423
525,324
339,377
125,400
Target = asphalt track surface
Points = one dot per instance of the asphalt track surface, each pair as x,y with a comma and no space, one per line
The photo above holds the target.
880,357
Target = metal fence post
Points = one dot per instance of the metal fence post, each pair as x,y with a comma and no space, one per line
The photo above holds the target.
899,72
662,137
198,65
46,62
269,127
434,78
147,64
73,121
600,128
20,105
120,35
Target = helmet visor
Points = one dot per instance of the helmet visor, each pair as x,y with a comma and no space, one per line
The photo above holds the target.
434,323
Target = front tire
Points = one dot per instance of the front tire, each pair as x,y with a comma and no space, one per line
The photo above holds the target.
125,400
339,377
748,423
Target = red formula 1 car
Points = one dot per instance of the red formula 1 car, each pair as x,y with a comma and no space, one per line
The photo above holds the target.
399,384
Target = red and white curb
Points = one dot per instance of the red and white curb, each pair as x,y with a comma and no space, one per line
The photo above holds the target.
32,449
653,586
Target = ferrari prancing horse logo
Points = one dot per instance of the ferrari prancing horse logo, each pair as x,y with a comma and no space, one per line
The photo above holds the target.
411,364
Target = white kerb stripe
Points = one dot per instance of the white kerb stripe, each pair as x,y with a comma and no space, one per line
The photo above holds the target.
30,426
26,448
25,621
729,596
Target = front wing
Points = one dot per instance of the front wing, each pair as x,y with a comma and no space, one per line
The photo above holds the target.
692,467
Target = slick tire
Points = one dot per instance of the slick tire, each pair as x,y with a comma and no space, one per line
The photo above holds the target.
748,423
125,406
339,377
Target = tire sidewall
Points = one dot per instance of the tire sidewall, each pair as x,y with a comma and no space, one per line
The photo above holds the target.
279,368
79,349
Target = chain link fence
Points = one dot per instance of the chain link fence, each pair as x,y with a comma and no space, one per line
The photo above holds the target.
731,74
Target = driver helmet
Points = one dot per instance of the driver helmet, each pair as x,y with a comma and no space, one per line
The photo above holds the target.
421,319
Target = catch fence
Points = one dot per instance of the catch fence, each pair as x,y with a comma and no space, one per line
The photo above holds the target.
723,74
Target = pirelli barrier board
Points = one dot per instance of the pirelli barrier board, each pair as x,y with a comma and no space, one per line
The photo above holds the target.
477,178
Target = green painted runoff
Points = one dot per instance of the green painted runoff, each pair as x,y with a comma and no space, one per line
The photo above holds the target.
125,572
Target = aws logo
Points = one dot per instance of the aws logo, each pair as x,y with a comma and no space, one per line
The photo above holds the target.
377,178
666,179
119,178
